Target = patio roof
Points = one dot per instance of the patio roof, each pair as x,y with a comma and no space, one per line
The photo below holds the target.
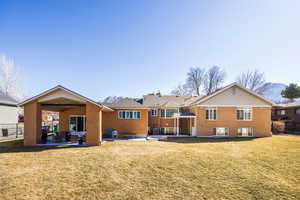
72,98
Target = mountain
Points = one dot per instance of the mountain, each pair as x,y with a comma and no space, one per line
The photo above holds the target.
112,99
272,91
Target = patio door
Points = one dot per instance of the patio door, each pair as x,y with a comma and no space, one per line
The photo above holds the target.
77,123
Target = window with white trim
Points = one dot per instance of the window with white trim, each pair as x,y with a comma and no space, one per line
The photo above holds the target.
280,112
211,114
244,114
77,123
245,131
126,114
220,131
168,113
153,112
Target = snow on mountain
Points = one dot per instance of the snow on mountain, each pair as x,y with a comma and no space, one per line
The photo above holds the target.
272,91
112,99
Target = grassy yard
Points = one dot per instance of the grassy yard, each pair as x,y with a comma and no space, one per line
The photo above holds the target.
264,168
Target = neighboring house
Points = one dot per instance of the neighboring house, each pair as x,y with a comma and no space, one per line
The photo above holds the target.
8,110
231,111
49,116
8,115
289,113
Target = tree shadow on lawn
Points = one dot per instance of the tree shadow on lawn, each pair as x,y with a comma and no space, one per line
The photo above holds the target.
188,140
16,146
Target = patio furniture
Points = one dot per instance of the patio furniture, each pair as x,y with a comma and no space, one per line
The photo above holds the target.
67,136
44,136
74,138
76,135
110,130
59,137
115,134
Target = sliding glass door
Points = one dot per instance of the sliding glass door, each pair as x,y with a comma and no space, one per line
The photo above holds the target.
77,123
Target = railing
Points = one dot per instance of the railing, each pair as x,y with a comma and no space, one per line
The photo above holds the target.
11,130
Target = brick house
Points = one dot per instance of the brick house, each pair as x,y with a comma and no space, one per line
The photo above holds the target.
288,113
230,112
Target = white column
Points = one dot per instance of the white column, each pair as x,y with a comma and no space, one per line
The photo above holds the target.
177,126
174,125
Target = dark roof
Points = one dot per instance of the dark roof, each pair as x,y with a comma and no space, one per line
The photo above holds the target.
125,103
288,105
4,99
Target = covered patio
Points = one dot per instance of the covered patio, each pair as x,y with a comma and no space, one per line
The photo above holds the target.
185,124
79,117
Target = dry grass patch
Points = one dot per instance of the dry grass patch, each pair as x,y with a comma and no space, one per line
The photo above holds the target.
265,168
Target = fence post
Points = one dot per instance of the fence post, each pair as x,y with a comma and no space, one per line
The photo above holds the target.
17,130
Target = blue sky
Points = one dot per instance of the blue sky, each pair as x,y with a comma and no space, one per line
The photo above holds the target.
129,48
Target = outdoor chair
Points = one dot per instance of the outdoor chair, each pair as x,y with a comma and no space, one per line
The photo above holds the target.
110,132
74,138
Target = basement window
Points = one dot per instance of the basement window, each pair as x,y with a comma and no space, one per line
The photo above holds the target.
221,131
245,131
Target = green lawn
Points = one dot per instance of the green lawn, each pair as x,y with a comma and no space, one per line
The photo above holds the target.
264,168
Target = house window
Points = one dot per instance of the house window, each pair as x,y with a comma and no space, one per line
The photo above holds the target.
245,131
244,114
221,131
168,113
211,114
162,113
298,111
125,114
280,112
153,112
77,123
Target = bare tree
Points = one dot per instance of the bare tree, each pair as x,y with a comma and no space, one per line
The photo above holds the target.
252,80
181,90
9,79
214,78
195,79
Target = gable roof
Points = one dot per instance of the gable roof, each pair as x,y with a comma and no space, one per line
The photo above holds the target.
7,100
66,90
201,100
125,103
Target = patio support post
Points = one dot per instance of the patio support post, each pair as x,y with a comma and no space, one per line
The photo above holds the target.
177,126
32,123
93,123
190,120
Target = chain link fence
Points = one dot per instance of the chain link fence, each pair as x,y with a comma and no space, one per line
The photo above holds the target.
11,131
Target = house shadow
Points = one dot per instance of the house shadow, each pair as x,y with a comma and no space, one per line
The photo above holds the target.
190,140
16,146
